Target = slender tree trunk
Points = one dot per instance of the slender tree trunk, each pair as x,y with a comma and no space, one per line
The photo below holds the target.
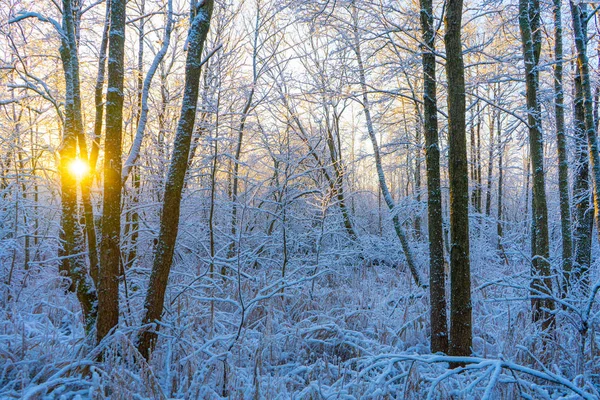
132,225
488,194
473,164
70,233
479,186
583,215
87,181
241,129
72,38
583,63
170,210
385,193
335,152
541,283
108,282
99,104
236,168
437,276
418,173
461,335
499,228
332,183
561,144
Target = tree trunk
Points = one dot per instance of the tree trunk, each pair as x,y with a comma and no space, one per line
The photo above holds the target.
499,228
417,190
335,152
584,70
108,282
437,276
561,144
170,210
583,215
488,194
70,233
541,283
461,335
385,193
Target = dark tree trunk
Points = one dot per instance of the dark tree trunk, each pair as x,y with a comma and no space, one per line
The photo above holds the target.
170,210
541,283
561,144
437,277
590,128
583,215
71,234
461,335
108,282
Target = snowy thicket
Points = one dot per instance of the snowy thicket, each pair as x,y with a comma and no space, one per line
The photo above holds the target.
302,256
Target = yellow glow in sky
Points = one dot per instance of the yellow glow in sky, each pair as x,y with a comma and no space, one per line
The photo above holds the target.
79,168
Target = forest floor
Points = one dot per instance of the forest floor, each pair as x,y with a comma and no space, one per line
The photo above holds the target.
357,330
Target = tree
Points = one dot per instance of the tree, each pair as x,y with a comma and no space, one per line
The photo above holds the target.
71,263
461,335
110,255
563,162
541,283
387,196
170,210
437,275
590,125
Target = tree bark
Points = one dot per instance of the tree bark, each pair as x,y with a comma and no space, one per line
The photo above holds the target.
108,282
170,212
590,128
561,144
437,276
68,153
541,283
461,335
583,215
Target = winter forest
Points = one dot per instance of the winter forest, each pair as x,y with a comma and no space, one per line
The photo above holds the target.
309,199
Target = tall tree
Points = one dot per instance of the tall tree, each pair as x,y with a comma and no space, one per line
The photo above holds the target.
73,132
583,218
437,275
385,192
461,335
590,125
170,209
88,180
541,283
108,279
561,143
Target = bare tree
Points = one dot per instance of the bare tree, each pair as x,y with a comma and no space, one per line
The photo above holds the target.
541,282
563,162
437,275
110,247
461,335
590,125
169,221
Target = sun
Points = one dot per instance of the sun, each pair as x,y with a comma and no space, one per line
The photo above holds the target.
79,168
